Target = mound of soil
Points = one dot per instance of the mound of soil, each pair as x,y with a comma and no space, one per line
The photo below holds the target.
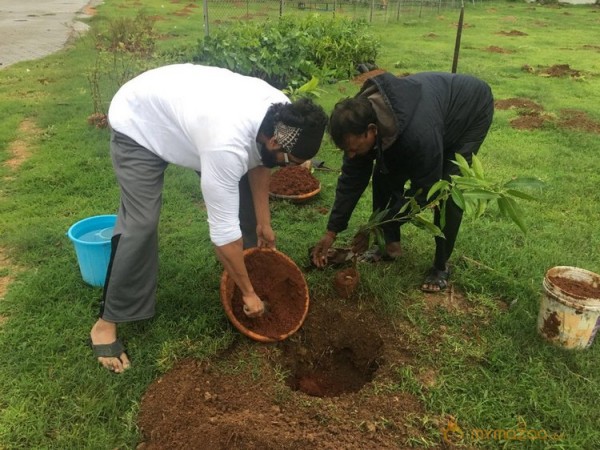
293,180
329,386
578,120
512,33
560,70
494,49
529,121
518,103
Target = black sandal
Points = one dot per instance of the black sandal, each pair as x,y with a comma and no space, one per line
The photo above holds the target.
436,277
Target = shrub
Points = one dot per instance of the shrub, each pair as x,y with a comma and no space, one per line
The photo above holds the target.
289,51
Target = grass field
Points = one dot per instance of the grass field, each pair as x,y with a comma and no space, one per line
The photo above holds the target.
56,170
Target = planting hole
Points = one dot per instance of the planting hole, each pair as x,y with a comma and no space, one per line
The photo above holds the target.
333,354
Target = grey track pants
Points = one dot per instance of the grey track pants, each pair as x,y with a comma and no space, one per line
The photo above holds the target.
130,287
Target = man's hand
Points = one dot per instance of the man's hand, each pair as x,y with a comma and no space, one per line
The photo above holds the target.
360,242
253,306
266,236
319,253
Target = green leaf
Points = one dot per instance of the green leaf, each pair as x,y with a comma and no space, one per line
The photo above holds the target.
480,194
425,224
380,239
438,186
521,194
457,197
477,167
513,211
481,207
463,165
404,207
378,216
525,182
309,86
469,182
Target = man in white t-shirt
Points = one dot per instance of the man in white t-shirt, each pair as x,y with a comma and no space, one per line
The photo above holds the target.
229,128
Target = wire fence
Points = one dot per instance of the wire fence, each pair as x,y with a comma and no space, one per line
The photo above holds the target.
222,12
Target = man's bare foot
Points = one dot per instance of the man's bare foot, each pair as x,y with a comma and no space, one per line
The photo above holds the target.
104,342
393,249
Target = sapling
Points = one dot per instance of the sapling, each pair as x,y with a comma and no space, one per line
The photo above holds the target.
470,190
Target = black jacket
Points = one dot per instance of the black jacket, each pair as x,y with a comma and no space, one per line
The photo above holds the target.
433,115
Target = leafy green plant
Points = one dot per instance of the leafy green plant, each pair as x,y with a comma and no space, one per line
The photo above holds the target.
470,190
308,89
291,50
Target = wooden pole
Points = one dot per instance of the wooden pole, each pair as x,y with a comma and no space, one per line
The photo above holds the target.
205,9
458,36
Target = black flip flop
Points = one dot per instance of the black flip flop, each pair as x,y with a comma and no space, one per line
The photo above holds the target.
437,278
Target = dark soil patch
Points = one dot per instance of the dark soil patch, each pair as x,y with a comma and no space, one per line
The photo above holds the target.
529,121
531,115
518,103
332,385
578,120
555,71
560,70
592,47
494,49
512,33
293,180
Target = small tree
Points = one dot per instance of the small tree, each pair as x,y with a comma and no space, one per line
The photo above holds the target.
469,190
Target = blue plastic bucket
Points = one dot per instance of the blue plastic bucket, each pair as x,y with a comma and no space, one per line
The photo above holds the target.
91,238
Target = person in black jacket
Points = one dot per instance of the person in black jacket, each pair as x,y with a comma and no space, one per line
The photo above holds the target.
410,128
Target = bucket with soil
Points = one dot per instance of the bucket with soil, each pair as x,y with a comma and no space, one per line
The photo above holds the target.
279,283
294,183
569,314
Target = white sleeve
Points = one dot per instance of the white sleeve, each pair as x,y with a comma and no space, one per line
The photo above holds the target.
219,181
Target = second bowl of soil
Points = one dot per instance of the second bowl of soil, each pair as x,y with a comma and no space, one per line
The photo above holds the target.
294,183
279,283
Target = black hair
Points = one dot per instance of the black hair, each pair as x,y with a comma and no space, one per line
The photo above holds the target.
303,113
350,116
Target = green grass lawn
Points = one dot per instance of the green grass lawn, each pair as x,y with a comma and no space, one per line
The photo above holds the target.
493,370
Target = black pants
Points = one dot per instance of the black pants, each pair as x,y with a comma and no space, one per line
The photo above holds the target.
388,190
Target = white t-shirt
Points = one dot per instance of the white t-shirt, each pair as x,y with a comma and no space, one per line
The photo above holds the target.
203,118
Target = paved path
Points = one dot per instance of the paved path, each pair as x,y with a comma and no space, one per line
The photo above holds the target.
31,29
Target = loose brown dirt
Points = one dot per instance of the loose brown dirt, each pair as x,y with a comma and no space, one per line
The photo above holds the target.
555,71
512,33
495,49
332,385
576,288
578,121
20,148
531,116
280,284
293,180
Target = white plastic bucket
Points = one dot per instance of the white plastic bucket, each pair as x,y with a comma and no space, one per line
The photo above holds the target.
569,314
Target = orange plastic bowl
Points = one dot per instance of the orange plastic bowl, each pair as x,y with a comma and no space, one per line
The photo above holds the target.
296,198
280,284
